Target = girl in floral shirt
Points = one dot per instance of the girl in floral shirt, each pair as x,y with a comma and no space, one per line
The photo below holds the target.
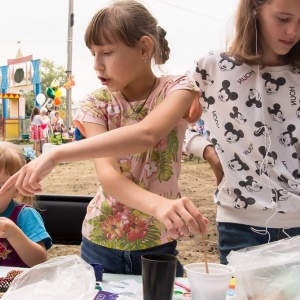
138,208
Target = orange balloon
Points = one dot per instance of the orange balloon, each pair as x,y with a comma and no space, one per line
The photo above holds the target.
56,101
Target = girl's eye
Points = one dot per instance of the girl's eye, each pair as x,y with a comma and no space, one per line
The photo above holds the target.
283,20
107,52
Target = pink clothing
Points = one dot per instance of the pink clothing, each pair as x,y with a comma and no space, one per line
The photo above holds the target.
110,223
45,128
36,131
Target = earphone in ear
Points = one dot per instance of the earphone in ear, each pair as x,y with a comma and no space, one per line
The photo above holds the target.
254,12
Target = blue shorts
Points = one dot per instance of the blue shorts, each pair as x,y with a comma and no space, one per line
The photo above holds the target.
124,262
237,236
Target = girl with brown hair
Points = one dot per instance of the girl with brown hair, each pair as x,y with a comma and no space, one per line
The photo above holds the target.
251,112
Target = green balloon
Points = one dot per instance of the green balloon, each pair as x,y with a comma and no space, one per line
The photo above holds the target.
50,92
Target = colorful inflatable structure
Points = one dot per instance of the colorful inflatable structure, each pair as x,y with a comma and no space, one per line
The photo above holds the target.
19,75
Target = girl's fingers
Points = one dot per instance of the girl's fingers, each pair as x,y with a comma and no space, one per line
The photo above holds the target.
170,226
195,221
29,186
11,181
180,224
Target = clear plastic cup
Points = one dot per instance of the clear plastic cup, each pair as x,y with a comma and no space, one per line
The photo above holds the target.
212,286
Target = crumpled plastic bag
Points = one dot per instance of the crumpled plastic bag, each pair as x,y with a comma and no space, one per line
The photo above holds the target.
268,272
61,278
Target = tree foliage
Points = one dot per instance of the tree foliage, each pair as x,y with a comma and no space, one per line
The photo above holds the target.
48,72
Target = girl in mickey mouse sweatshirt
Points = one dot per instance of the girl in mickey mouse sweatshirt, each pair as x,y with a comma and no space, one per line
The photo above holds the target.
251,113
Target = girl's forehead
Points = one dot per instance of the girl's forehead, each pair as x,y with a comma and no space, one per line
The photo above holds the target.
3,176
285,6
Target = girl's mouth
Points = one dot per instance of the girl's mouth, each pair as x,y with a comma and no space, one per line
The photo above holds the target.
287,43
104,81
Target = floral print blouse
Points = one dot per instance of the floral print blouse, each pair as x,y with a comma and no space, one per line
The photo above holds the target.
109,222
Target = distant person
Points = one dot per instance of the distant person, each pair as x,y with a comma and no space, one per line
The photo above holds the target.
36,130
139,208
52,113
57,121
65,133
23,237
71,131
46,127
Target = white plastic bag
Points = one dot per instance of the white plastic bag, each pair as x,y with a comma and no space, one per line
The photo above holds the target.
270,271
61,278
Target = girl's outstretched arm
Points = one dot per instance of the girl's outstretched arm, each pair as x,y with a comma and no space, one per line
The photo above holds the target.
180,214
126,140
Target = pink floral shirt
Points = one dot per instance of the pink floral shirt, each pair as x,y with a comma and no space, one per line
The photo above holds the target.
109,222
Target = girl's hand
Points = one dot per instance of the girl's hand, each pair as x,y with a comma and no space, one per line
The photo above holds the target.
212,157
181,215
7,228
27,180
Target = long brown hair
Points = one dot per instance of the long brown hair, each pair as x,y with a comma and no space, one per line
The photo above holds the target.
243,45
127,21
11,161
35,111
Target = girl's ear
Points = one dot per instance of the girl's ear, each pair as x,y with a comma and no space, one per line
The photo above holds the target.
146,46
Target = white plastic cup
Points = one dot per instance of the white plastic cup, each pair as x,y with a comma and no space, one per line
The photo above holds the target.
211,286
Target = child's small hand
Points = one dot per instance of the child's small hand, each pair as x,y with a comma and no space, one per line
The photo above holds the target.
7,227
182,215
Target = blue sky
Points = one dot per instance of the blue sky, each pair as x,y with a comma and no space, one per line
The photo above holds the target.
193,28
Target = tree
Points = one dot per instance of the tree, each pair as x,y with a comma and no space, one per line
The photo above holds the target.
48,72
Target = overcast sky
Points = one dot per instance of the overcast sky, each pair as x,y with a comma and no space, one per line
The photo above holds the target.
193,28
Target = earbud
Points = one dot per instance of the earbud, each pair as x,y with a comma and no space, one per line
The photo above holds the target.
254,12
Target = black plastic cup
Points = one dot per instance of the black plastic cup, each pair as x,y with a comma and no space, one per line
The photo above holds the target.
158,273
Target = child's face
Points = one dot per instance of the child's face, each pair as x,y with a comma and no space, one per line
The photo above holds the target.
117,65
279,25
8,195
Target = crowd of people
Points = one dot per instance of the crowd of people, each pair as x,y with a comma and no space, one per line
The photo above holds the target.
243,102
45,123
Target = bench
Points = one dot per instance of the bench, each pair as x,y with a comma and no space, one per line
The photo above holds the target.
63,216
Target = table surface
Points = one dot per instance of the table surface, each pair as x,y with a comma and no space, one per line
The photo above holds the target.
117,278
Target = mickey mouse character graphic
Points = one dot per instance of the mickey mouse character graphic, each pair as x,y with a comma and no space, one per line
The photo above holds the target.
232,135
286,138
237,116
272,85
227,63
276,114
205,76
225,94
240,201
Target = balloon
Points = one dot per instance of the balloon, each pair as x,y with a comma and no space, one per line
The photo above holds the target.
50,93
54,83
40,98
58,93
56,101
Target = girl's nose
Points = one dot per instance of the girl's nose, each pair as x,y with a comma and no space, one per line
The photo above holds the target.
98,64
293,29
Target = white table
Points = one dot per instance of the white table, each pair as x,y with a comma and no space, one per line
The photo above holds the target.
115,278
5,270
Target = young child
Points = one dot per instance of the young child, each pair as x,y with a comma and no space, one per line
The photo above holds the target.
139,208
36,130
23,238
46,127
250,96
